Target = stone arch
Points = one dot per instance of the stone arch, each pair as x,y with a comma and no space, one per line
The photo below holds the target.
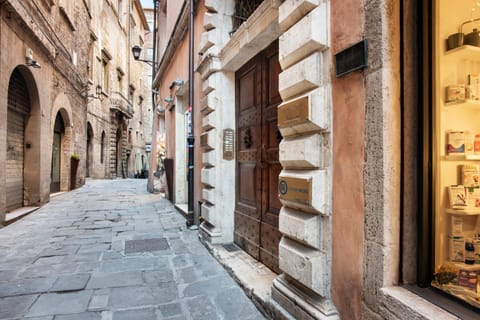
56,163
62,107
31,142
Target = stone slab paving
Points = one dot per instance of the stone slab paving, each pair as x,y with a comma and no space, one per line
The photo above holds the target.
67,261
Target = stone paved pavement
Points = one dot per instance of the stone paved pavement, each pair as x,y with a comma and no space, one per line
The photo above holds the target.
68,261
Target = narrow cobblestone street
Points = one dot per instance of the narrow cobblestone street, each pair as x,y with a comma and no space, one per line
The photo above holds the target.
76,258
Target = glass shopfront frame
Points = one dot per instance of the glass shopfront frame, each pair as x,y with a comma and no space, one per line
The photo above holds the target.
449,228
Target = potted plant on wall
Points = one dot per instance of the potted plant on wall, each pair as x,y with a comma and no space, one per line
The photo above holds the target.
74,161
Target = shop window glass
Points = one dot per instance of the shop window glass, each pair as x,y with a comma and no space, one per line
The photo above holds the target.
456,149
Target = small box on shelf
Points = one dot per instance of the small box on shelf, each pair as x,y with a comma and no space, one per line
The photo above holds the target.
471,175
455,92
455,142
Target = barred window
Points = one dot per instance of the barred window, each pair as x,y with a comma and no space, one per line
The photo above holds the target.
243,10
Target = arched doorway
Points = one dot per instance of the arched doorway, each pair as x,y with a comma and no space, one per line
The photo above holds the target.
89,150
102,148
118,154
18,112
58,133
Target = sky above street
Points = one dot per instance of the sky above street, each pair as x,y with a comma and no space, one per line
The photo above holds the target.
147,3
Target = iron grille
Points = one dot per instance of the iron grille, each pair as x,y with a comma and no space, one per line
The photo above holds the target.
243,10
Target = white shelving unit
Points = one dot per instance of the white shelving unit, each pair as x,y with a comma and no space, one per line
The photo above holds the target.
465,52
464,103
454,66
451,68
462,157
464,212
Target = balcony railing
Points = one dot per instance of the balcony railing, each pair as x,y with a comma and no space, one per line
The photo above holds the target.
243,10
120,103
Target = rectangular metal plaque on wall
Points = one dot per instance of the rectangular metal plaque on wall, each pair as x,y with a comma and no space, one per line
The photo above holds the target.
295,189
351,59
228,144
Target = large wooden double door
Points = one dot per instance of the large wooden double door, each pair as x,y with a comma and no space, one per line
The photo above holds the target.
257,205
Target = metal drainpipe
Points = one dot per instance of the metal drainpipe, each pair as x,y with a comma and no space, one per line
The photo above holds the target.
153,165
154,58
191,135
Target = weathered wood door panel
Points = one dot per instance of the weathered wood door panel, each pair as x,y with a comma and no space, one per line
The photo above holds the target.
248,191
257,204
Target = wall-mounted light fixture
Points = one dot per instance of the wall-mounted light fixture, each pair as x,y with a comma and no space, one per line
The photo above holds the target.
177,83
32,63
29,59
97,95
168,99
136,50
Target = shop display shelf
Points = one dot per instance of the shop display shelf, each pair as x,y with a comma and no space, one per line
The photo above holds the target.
464,102
462,157
468,211
465,52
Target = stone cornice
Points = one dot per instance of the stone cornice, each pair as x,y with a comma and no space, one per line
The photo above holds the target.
141,13
252,36
33,25
44,35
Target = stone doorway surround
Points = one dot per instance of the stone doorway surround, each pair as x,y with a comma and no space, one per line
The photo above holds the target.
34,191
62,107
180,196
58,132
303,289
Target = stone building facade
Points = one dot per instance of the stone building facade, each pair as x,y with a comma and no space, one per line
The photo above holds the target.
313,172
172,102
116,121
148,110
71,90
44,58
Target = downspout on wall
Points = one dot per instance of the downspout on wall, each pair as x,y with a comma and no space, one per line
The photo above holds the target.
153,156
191,138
